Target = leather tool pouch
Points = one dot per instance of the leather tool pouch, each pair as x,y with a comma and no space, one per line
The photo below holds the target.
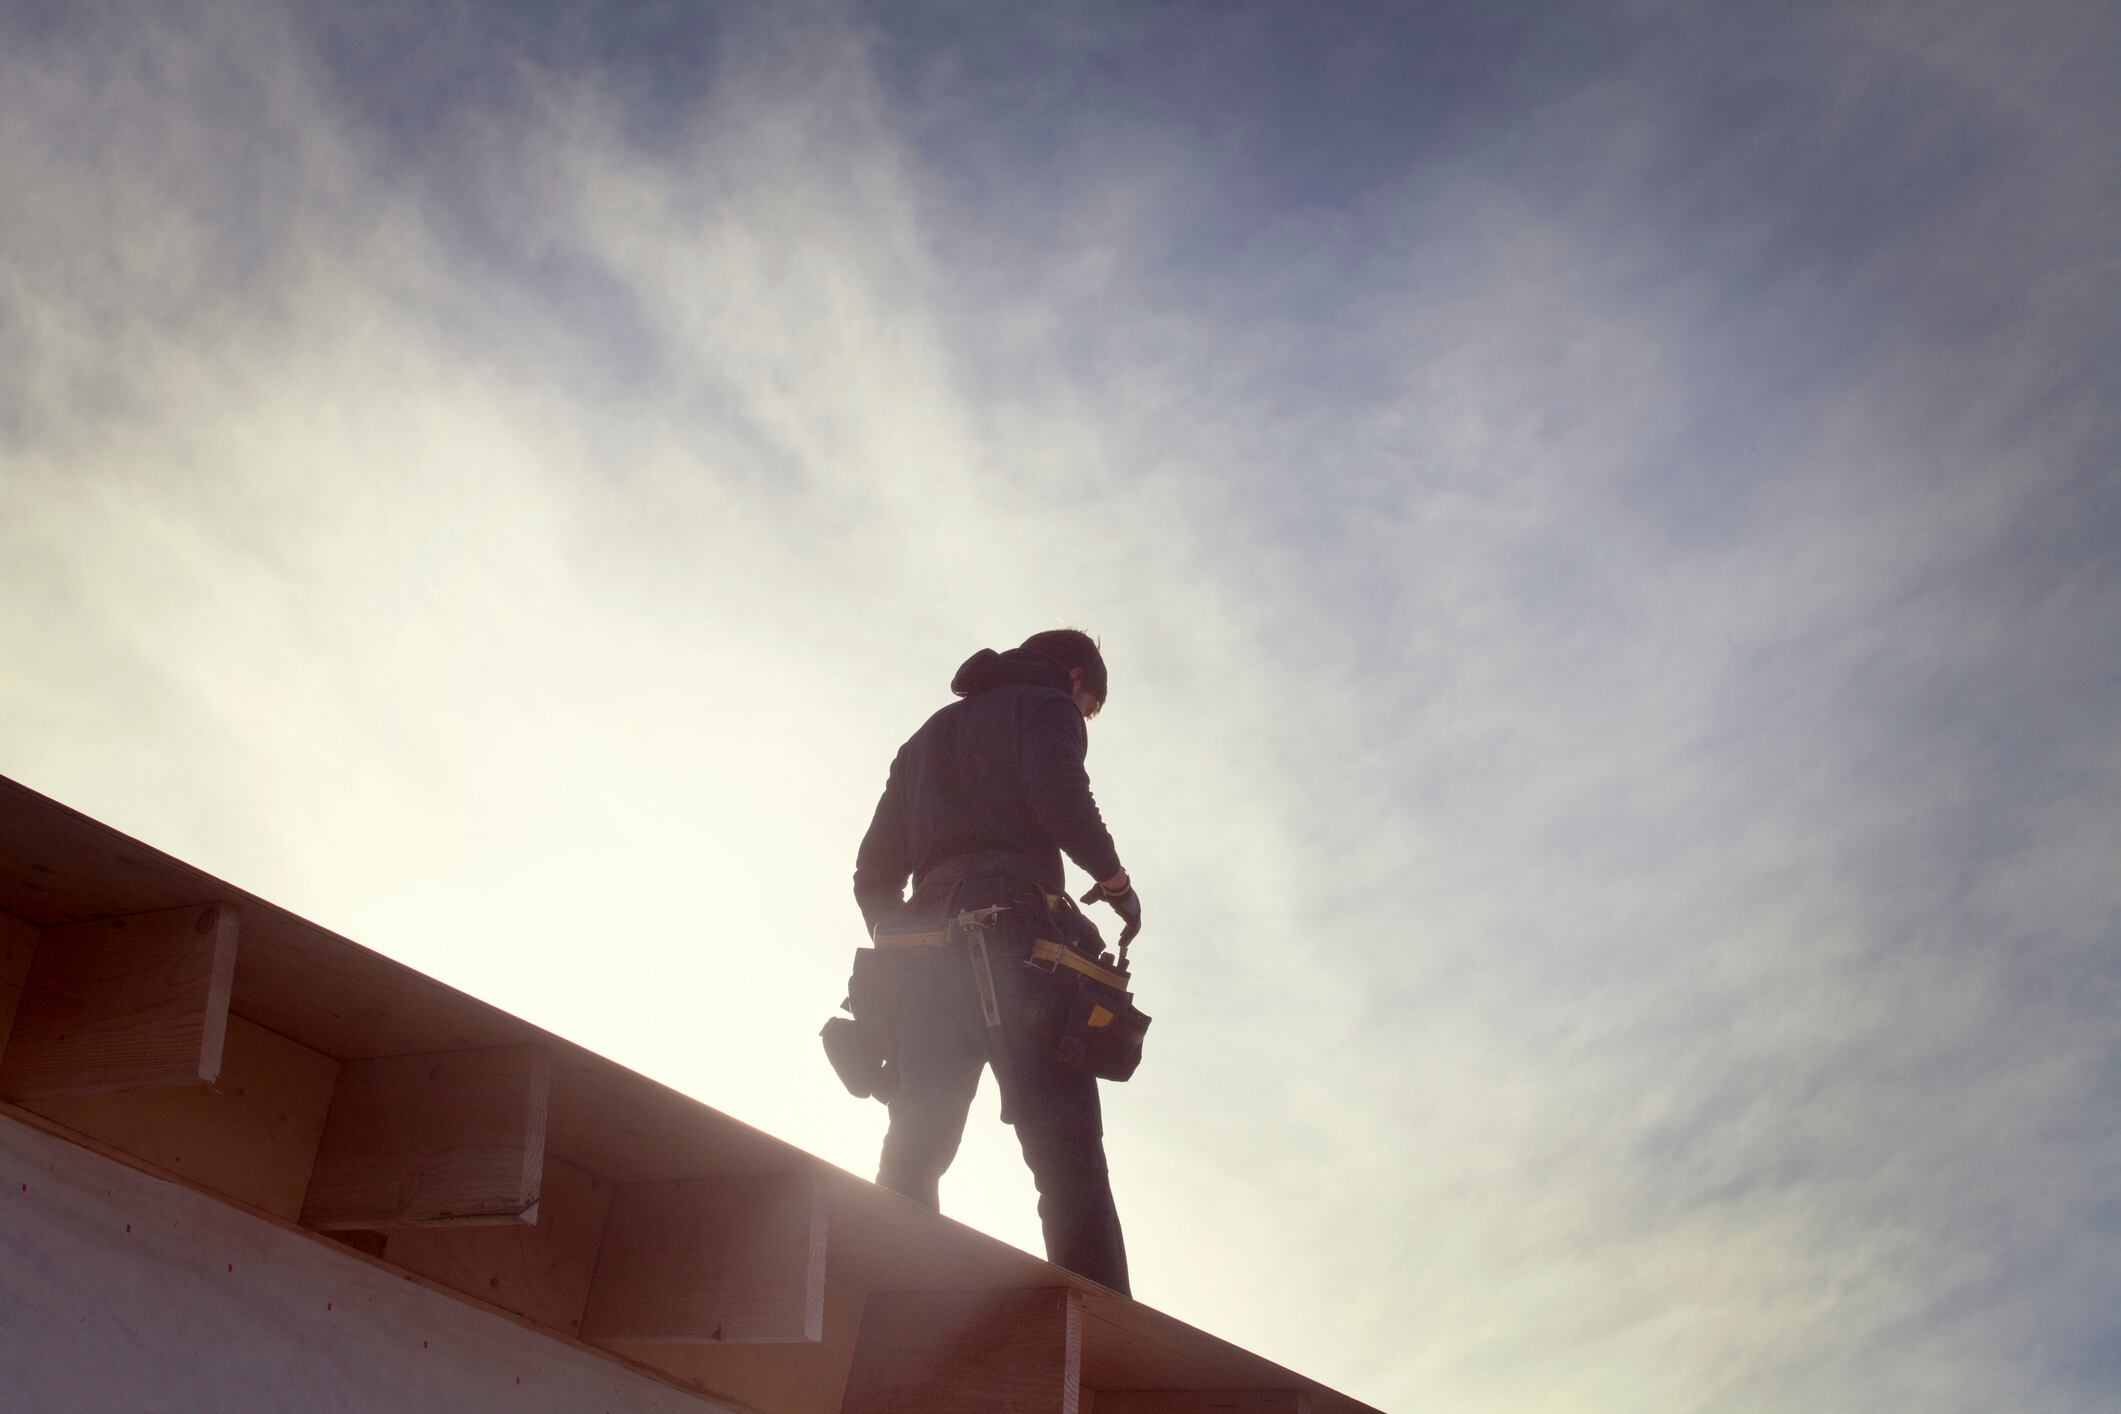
1103,1033
1085,1011
856,1055
861,1050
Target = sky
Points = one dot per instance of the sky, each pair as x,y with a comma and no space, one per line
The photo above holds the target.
1604,523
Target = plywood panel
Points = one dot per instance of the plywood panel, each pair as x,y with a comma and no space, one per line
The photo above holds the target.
124,1004
784,1379
973,1352
541,1271
59,866
18,943
712,1259
252,1134
123,1291
455,1137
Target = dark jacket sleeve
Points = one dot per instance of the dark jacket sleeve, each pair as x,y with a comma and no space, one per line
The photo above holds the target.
885,860
1058,787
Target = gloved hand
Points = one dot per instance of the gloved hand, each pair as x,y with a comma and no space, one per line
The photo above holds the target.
1127,905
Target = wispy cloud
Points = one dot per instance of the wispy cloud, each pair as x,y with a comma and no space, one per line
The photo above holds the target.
1605,531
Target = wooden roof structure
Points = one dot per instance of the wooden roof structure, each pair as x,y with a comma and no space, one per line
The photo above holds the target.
207,1039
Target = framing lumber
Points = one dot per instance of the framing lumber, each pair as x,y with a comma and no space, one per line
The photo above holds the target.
702,1260
132,1003
453,1137
251,1135
1174,1401
968,1352
540,1271
788,1379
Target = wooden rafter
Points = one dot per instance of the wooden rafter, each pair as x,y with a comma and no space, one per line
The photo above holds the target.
127,1003
448,1137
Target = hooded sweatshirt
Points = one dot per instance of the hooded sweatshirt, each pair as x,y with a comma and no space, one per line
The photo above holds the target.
1000,769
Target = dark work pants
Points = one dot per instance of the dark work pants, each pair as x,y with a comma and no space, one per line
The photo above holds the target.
941,1051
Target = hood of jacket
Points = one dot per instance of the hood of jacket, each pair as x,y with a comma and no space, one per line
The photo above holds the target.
1017,667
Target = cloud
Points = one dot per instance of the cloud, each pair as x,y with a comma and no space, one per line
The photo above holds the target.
1609,580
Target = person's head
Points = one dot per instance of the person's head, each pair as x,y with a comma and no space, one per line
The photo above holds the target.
1078,653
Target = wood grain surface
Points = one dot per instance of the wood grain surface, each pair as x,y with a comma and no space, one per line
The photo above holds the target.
124,1003
712,1259
252,1134
451,1137
539,1270
968,1352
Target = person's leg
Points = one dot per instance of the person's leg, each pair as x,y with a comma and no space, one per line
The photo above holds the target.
927,1123
1060,1125
1075,1207
938,1063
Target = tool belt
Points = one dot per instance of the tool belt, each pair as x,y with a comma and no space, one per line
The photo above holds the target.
1086,1010
1080,1010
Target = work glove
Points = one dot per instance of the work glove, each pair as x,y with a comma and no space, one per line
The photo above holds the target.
1127,905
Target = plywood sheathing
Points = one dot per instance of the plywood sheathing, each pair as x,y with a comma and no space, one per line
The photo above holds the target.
792,1377
698,1260
124,1291
18,943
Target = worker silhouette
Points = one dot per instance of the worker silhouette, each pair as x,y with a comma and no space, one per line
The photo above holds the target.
979,807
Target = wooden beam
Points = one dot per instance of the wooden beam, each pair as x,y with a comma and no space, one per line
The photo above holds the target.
451,1137
1174,1401
539,1271
251,1135
796,1378
122,1004
968,1352
711,1259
